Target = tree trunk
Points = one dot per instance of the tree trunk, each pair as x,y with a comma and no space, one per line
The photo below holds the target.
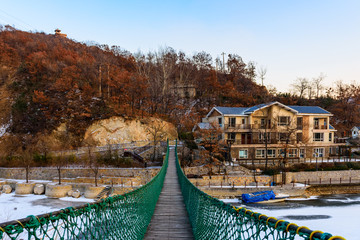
96,178
59,175
27,170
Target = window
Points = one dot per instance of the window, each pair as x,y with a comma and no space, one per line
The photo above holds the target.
271,153
220,122
302,153
231,136
281,152
243,121
232,122
283,120
243,153
299,122
299,137
283,137
318,152
318,137
262,137
330,137
260,153
262,122
292,152
316,123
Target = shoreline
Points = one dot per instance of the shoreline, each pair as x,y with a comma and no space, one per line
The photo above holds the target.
293,191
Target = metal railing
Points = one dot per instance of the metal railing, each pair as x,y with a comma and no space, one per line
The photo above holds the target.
119,217
213,219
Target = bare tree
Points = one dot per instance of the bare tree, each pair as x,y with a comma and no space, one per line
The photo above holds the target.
157,134
61,158
92,160
300,85
210,138
317,82
261,73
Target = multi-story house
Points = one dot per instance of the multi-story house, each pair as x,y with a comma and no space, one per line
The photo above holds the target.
275,129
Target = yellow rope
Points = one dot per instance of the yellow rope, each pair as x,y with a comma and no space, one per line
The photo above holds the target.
291,224
297,231
335,237
279,221
267,221
20,223
312,234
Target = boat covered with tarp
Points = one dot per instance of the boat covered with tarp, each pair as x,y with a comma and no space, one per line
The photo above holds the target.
257,196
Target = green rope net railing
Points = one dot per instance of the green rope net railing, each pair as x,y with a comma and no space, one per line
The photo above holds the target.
211,218
119,217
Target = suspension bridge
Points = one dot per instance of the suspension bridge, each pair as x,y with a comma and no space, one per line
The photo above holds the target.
168,207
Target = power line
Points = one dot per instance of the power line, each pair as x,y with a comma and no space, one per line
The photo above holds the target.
21,22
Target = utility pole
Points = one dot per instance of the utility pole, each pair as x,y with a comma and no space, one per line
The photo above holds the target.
223,54
108,81
100,82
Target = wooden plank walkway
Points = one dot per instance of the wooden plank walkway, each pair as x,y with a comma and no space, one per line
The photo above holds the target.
170,219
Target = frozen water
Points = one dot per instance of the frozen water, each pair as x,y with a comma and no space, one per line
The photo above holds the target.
335,214
20,206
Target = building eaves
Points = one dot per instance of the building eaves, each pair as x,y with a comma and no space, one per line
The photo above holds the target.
310,110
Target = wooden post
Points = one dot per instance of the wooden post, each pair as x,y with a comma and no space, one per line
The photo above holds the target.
340,180
330,181
320,180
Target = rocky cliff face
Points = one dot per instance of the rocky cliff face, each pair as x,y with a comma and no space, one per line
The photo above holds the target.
118,130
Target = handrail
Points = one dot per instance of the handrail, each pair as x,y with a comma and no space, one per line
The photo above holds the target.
119,217
211,218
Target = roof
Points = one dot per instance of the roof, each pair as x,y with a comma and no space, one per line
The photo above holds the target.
309,109
246,111
231,110
254,108
263,105
203,125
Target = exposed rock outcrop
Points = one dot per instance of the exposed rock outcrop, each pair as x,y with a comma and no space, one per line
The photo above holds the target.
118,130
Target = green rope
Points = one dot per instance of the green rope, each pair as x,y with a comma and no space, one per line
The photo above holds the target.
118,217
211,218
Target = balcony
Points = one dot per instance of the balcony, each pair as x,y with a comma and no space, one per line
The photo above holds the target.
261,141
321,127
244,126
237,126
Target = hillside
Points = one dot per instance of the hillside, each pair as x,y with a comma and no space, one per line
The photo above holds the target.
48,80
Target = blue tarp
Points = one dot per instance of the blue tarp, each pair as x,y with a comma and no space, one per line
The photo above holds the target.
258,196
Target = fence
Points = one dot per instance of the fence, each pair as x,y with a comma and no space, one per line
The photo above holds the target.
119,217
276,161
213,219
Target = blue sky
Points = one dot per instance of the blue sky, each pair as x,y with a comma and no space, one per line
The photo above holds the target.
290,38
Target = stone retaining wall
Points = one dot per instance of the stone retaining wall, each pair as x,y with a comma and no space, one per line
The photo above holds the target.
51,173
345,175
223,180
316,190
201,170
